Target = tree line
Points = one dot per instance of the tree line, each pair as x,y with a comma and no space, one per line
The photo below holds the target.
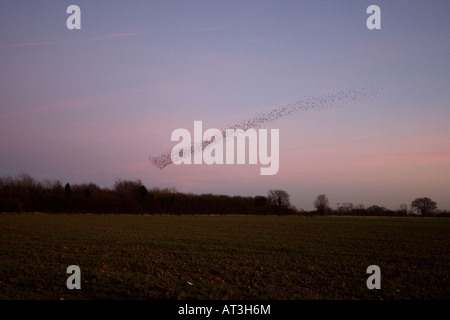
423,206
26,194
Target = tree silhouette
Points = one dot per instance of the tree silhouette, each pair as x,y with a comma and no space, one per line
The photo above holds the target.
345,208
376,210
403,209
322,204
280,198
143,192
424,205
68,189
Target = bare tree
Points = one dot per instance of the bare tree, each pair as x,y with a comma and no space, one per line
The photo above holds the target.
127,185
424,205
403,209
345,207
279,198
322,204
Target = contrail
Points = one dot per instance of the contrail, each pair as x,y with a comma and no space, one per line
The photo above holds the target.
317,103
44,43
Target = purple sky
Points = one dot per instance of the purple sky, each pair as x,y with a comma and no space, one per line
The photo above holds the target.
92,105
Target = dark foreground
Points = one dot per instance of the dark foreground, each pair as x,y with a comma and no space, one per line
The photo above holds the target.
222,257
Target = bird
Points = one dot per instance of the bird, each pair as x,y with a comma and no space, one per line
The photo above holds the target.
316,103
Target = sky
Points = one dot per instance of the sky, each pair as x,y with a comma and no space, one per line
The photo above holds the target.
93,104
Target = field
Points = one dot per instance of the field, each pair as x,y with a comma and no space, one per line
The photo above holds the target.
222,257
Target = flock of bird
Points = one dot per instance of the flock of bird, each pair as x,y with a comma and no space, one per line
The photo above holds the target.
316,103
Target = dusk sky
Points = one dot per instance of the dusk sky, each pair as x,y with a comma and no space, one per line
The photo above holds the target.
92,105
